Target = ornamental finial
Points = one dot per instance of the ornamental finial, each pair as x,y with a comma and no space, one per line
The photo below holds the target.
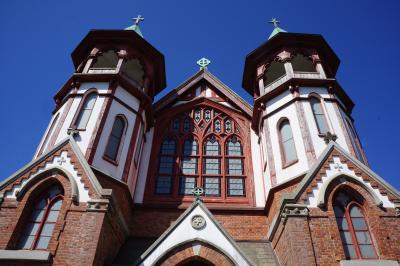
138,19
203,63
275,22
198,192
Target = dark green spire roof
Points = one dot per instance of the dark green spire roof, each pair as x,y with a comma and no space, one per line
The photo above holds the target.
135,26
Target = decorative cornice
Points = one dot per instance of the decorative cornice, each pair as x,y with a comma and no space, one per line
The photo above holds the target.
98,205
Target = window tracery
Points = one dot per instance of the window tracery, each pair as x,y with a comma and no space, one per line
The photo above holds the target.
206,151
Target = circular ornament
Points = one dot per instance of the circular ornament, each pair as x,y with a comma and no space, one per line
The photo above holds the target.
198,222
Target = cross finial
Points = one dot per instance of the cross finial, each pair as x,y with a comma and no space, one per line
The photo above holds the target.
275,22
138,19
203,63
198,191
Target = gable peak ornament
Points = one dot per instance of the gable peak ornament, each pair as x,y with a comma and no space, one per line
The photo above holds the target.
275,22
203,63
198,192
138,19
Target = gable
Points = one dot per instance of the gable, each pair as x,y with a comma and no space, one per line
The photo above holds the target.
196,225
66,159
204,85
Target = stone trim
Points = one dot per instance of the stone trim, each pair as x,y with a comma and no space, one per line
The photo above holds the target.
25,255
294,210
368,263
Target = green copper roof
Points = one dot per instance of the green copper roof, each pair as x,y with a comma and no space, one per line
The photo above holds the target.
275,32
135,28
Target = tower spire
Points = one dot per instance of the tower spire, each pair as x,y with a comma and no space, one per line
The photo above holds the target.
275,22
135,26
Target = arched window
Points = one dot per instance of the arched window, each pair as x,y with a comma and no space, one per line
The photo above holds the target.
274,71
212,167
301,63
353,228
114,141
319,115
166,166
189,168
234,167
354,140
201,147
85,111
46,139
39,229
106,60
286,142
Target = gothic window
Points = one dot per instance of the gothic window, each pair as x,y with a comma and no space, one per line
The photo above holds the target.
319,115
234,167
208,151
114,141
189,168
38,231
46,139
166,166
106,60
353,228
274,71
134,70
140,145
286,141
176,125
301,63
354,140
85,111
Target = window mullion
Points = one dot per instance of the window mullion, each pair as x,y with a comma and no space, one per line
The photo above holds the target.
352,232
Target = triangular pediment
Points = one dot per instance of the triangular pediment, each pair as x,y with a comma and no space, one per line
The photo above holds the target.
204,85
66,159
336,163
195,225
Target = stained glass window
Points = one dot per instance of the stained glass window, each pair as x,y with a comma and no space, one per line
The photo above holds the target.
166,166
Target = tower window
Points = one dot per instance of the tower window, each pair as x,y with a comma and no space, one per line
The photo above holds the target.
133,69
274,71
301,63
354,140
353,228
106,60
286,142
114,141
319,115
85,111
39,229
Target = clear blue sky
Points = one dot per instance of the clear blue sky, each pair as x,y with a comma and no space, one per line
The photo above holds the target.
37,38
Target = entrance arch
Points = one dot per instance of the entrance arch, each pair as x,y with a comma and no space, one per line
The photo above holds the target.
195,253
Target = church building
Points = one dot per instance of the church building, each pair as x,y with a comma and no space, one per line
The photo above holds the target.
200,176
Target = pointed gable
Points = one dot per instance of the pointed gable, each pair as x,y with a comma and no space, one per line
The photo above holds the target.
196,225
204,85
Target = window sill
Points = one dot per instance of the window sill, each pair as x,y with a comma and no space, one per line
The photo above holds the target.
25,255
111,161
368,262
288,164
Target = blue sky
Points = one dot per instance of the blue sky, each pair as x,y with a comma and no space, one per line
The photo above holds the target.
37,38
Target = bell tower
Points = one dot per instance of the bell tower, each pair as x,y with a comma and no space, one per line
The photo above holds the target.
299,106
106,105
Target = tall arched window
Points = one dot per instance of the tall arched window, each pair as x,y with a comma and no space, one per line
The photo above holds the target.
212,167
201,147
115,139
39,228
353,228
189,167
85,111
286,141
234,167
166,167
319,115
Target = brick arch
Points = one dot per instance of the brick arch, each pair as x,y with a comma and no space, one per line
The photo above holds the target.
195,251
